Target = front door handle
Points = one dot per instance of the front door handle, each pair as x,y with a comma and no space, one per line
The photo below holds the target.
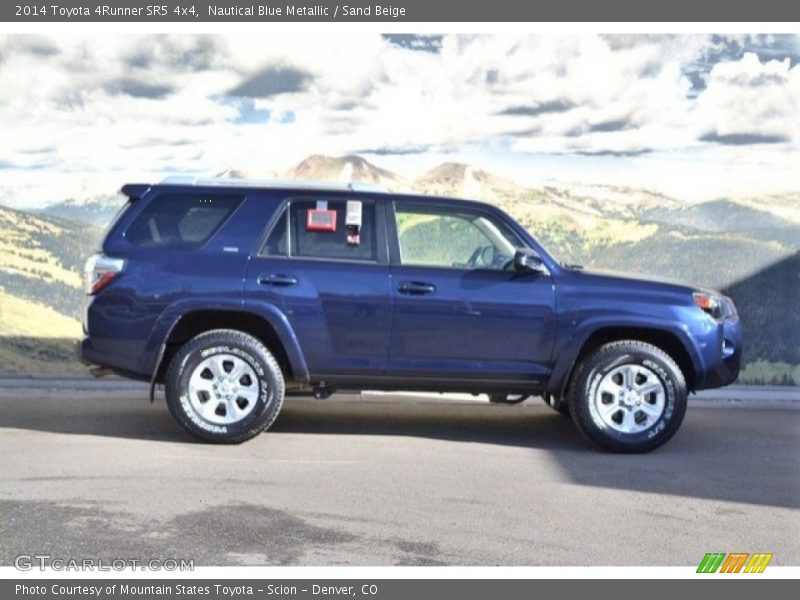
277,280
416,288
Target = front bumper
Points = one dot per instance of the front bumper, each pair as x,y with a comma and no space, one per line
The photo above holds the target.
727,361
725,371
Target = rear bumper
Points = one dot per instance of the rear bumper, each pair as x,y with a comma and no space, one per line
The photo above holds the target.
91,357
83,351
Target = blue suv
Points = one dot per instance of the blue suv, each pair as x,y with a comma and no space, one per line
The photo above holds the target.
235,294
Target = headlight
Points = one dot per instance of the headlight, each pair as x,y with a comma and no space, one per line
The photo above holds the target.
718,307
709,303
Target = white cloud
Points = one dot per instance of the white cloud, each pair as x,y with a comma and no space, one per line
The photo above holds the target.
752,98
109,108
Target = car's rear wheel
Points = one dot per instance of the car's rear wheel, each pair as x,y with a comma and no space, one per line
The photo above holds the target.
224,386
628,396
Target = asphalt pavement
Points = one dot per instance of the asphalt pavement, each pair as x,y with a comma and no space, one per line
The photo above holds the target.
91,469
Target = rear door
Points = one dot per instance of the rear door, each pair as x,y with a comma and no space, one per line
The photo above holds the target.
332,284
461,311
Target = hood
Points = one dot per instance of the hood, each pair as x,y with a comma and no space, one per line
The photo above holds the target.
629,280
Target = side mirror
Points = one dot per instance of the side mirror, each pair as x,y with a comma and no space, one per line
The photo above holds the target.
526,259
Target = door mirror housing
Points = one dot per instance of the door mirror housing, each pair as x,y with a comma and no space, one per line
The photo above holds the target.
526,259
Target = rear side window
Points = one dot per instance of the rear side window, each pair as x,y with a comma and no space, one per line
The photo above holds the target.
181,221
312,236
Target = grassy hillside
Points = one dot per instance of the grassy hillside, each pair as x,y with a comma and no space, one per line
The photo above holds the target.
23,318
719,215
41,291
41,259
35,338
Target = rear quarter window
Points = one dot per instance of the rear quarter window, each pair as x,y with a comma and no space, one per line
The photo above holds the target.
181,221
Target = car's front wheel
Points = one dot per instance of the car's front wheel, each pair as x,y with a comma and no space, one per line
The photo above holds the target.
224,386
628,396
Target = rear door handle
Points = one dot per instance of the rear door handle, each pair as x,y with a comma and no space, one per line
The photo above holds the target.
416,288
277,280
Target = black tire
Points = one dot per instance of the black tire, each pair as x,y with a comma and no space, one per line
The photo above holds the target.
268,387
603,361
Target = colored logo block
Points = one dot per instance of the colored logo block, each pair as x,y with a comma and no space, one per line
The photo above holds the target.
734,562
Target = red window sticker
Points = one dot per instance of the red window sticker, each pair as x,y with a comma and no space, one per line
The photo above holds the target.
320,220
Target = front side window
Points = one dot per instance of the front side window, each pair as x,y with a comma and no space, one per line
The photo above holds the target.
455,239
181,221
318,228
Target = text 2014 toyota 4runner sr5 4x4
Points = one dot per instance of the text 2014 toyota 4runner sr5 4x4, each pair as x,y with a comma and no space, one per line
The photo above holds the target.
234,294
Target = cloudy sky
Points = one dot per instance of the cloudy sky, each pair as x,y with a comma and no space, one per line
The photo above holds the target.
695,117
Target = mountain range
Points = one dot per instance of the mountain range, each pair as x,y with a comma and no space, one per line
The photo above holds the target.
749,248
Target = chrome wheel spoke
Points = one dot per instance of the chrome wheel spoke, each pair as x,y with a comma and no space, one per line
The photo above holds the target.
216,365
208,409
628,423
650,387
652,411
200,384
628,375
248,393
239,369
608,386
628,399
237,411
607,410
216,392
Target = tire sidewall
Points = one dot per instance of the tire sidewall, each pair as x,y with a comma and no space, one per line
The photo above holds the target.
267,385
670,419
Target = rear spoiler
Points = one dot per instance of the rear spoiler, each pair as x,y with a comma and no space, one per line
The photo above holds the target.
134,191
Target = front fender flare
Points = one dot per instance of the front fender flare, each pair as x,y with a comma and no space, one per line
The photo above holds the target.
568,355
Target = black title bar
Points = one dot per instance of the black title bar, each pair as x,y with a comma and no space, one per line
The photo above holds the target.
400,11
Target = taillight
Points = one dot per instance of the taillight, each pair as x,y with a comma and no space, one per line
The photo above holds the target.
100,271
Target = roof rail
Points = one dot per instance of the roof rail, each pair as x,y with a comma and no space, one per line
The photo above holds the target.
297,184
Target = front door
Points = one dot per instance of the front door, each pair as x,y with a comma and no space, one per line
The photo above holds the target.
461,310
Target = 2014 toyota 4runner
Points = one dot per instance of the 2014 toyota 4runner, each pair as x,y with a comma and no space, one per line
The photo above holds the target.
234,294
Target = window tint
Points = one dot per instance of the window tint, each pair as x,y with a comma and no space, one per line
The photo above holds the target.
181,221
460,240
276,242
332,244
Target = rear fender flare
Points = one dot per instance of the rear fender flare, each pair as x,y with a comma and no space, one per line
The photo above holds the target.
172,315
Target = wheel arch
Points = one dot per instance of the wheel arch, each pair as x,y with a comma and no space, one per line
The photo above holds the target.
663,338
271,328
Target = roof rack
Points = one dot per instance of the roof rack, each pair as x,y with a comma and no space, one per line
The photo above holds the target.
297,184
